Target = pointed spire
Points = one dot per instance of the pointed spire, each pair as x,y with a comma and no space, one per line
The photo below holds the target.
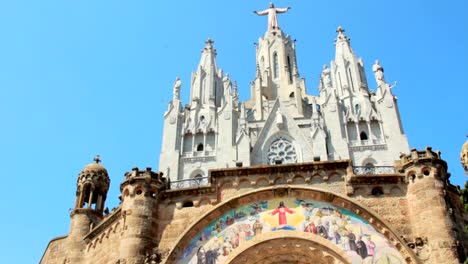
208,58
343,45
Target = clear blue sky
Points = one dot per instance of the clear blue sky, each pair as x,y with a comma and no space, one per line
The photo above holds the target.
80,78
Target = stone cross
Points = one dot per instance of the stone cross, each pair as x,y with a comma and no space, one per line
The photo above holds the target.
97,159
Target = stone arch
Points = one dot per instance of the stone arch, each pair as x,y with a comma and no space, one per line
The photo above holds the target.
368,162
298,179
261,182
244,182
335,177
281,247
188,244
197,173
316,178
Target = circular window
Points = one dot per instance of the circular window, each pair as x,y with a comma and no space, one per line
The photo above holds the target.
281,151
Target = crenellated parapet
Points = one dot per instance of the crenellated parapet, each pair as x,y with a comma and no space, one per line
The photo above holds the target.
139,181
420,163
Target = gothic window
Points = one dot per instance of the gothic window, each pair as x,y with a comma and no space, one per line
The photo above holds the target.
275,65
281,151
290,70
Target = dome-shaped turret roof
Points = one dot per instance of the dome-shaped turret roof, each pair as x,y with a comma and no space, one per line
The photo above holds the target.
94,167
95,173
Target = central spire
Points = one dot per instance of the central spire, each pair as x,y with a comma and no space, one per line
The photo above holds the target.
271,12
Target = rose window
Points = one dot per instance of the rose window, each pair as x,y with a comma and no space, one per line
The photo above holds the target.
281,152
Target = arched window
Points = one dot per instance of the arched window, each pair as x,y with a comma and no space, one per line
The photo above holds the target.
200,147
275,65
363,136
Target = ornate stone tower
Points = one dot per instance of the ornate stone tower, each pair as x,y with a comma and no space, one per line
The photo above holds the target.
140,191
92,186
281,123
363,124
201,135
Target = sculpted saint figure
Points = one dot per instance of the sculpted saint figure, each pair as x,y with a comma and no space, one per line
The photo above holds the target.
271,12
176,90
326,76
378,72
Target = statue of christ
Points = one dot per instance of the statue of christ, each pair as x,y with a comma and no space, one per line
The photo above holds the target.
271,12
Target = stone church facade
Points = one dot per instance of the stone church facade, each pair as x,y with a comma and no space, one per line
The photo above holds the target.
283,177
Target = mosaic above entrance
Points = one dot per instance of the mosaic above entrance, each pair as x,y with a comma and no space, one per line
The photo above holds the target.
361,241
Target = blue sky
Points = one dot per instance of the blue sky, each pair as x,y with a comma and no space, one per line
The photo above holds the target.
80,78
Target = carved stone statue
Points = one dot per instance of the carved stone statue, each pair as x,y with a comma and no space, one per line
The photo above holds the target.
378,72
326,79
271,12
176,89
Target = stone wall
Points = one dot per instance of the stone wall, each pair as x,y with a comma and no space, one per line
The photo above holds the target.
56,251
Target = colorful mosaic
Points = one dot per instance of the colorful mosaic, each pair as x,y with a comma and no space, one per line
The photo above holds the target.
354,235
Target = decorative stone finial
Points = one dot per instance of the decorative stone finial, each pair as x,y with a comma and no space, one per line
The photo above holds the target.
97,159
209,43
341,34
340,30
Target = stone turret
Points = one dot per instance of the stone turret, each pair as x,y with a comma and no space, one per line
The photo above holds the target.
430,210
140,191
92,186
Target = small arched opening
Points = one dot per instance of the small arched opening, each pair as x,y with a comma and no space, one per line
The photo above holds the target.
377,191
363,136
200,147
